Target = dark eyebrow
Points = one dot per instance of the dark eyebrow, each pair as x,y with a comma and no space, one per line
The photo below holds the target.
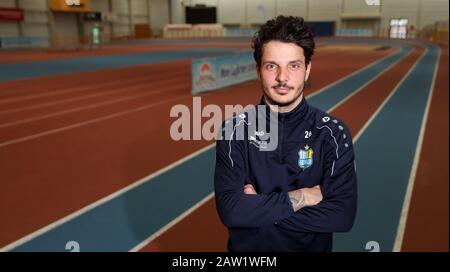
295,61
273,62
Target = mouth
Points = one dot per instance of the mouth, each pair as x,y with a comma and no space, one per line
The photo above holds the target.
282,90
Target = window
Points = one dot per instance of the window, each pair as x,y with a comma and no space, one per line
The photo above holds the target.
398,28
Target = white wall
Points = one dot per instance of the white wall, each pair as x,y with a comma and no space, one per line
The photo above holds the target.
7,3
408,9
292,7
232,12
139,9
35,24
38,5
36,21
360,7
432,11
159,15
245,12
259,11
324,10
177,12
39,20
8,29
241,12
121,26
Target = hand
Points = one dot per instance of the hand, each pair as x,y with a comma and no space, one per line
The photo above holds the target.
313,195
249,190
305,197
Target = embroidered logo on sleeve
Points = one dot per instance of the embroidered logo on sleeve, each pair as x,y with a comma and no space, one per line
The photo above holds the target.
305,157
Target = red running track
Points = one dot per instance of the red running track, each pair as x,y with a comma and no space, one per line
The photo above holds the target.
53,166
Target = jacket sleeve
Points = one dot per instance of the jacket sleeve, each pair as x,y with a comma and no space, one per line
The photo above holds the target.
337,210
236,209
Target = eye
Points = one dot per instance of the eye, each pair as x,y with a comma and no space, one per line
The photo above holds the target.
270,67
294,66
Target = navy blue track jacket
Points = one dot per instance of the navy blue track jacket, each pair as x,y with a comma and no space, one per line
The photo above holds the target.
313,148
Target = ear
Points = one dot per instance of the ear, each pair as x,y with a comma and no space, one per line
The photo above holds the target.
308,70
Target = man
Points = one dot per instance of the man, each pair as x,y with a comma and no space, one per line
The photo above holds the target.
294,197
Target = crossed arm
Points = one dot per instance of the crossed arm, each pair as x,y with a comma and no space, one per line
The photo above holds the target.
300,198
328,208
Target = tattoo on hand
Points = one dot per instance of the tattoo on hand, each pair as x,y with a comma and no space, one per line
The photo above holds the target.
298,199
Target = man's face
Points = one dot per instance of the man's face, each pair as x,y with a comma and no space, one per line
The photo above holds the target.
283,73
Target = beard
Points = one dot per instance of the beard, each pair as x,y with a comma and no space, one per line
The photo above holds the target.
272,101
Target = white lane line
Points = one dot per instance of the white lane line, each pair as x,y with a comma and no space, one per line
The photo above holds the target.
94,94
71,90
82,88
172,223
92,121
412,177
387,69
103,200
173,88
350,75
375,114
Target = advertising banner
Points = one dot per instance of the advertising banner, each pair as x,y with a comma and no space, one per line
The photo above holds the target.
214,73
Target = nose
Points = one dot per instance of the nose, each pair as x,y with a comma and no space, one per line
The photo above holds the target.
282,75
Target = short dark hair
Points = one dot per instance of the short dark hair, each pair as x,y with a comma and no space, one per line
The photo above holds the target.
287,29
